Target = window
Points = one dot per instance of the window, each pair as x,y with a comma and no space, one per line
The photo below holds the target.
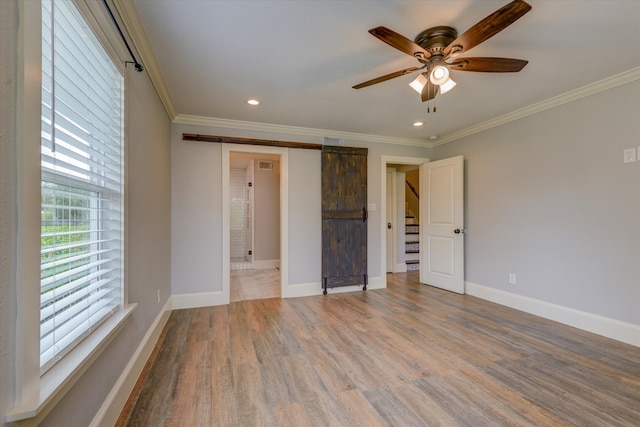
82,163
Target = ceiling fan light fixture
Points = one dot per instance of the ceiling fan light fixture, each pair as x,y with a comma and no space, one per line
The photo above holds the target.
439,75
419,83
447,86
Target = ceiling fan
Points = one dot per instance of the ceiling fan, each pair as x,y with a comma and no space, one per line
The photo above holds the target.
437,49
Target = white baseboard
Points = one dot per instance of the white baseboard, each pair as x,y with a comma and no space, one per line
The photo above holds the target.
266,263
611,328
117,398
200,299
315,288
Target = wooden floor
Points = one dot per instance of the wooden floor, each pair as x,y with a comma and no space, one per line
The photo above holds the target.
408,355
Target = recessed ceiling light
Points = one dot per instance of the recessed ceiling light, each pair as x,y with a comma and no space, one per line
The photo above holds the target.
253,102
433,137
417,124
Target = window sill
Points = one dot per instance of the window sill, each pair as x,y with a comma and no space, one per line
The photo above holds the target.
55,383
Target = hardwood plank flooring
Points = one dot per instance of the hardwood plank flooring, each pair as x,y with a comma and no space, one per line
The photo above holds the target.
408,355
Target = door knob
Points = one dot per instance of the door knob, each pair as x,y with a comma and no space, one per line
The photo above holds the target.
459,231
389,225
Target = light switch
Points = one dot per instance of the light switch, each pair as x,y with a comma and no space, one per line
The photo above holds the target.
629,155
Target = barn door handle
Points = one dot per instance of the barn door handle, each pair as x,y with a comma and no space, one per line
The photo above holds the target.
365,214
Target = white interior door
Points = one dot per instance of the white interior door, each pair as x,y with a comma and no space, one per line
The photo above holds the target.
442,224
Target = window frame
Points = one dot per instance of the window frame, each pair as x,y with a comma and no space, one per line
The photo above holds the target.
35,394
82,157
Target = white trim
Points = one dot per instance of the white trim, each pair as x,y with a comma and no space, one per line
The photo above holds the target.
601,325
302,290
95,16
28,198
394,221
294,130
573,95
60,378
384,160
198,299
110,410
284,213
315,288
264,264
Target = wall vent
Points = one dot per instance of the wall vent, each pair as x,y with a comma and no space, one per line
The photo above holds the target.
265,165
327,140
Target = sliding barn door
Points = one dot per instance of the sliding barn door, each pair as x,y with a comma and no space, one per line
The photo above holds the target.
344,217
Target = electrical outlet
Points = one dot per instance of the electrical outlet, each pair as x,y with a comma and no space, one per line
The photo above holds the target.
629,155
512,279
158,296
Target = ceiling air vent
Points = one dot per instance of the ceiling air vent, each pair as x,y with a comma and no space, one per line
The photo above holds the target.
265,165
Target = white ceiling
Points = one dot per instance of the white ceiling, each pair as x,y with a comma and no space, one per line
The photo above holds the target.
301,58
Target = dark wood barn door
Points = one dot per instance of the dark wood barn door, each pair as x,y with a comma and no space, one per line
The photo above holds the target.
344,217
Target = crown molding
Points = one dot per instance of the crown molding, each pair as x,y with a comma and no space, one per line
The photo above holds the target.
565,98
588,90
133,26
299,131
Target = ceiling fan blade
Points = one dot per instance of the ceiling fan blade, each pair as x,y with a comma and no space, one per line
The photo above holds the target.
429,91
489,65
488,27
387,77
400,42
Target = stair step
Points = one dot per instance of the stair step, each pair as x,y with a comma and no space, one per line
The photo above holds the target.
412,232
412,251
413,267
413,261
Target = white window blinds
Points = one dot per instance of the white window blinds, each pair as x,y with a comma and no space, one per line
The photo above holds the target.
82,182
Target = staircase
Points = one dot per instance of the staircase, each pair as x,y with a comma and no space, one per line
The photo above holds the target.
412,243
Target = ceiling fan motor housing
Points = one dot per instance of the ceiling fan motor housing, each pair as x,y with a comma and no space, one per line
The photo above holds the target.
435,39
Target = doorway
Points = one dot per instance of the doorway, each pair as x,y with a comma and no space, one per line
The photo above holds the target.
441,220
254,256
401,238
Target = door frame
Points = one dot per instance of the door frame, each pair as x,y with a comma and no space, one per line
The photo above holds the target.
226,213
391,248
384,160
